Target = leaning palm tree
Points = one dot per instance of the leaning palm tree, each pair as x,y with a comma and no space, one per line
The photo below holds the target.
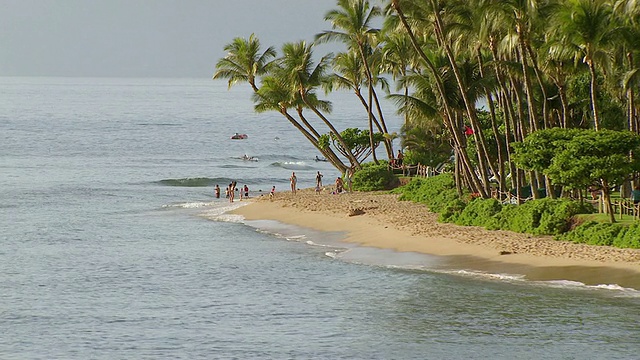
304,76
351,24
350,76
276,95
244,62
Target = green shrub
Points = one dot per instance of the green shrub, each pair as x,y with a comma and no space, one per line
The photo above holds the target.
479,212
511,218
435,192
540,217
452,210
629,237
593,233
373,177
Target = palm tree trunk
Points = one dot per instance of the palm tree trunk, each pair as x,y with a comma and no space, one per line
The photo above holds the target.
352,159
370,114
449,118
383,125
470,108
593,89
533,126
328,153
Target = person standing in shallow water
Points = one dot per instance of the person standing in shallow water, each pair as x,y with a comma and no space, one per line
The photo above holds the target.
294,180
319,180
217,190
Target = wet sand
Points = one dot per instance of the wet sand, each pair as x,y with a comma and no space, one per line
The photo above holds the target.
380,220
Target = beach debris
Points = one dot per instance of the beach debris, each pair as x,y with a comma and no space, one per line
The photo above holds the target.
356,211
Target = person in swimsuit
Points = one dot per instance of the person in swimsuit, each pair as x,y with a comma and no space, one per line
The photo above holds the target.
294,181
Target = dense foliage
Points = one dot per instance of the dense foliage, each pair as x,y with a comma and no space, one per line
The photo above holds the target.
436,192
539,217
595,233
578,158
374,177
544,68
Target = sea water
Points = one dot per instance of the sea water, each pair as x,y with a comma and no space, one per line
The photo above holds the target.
112,246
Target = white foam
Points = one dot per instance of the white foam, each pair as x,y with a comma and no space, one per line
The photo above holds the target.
189,205
576,285
220,212
333,254
481,274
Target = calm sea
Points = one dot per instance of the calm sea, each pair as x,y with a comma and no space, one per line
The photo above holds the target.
113,247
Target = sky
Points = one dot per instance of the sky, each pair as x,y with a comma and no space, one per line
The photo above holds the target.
145,38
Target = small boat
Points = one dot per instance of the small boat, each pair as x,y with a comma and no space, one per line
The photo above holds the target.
237,136
320,159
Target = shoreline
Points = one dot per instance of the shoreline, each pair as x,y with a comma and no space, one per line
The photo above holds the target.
379,220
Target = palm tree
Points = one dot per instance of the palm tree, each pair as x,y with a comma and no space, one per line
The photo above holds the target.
276,95
588,26
244,62
303,76
450,118
352,26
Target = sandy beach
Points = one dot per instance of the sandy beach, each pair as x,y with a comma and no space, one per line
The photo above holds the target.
380,220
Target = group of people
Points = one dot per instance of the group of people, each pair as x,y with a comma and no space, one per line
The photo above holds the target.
340,186
230,191
399,160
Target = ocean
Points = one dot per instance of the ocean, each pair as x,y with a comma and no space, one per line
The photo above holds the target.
114,247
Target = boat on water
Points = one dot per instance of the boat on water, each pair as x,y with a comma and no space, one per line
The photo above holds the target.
320,159
237,136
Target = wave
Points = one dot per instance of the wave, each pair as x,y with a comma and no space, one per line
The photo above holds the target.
292,165
615,289
158,124
194,182
231,166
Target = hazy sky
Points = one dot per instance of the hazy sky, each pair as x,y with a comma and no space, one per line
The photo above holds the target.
160,38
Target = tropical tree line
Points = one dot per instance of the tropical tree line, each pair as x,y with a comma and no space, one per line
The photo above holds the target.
535,64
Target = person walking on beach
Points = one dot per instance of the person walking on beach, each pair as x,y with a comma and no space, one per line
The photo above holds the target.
217,190
294,181
272,193
319,180
246,191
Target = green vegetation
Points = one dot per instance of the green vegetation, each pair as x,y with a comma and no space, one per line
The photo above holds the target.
559,81
577,158
538,217
598,233
374,177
